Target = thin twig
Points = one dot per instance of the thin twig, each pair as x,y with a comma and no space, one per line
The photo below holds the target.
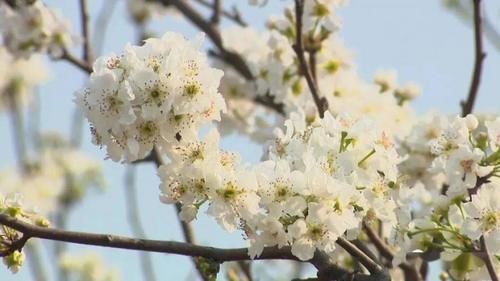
87,46
468,105
321,103
112,241
135,222
364,259
321,261
82,65
487,260
410,270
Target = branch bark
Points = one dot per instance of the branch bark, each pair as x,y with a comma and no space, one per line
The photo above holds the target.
468,105
82,65
87,46
409,270
326,270
487,260
321,103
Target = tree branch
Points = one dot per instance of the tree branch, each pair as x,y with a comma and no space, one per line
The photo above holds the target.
365,260
87,46
82,65
321,103
320,260
487,260
410,270
468,105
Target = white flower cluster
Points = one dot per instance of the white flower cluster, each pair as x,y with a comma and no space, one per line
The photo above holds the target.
319,181
60,176
30,26
87,266
454,165
450,151
273,63
18,77
149,96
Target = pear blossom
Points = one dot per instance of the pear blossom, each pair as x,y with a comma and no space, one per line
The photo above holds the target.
155,95
482,217
316,182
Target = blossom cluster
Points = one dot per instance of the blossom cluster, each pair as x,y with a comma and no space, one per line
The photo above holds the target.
18,77
273,64
30,26
453,164
318,181
153,95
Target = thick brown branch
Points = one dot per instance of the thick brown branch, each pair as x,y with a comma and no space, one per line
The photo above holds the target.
112,241
326,270
321,103
468,105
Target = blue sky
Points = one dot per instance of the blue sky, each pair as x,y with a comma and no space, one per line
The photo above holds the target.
419,39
